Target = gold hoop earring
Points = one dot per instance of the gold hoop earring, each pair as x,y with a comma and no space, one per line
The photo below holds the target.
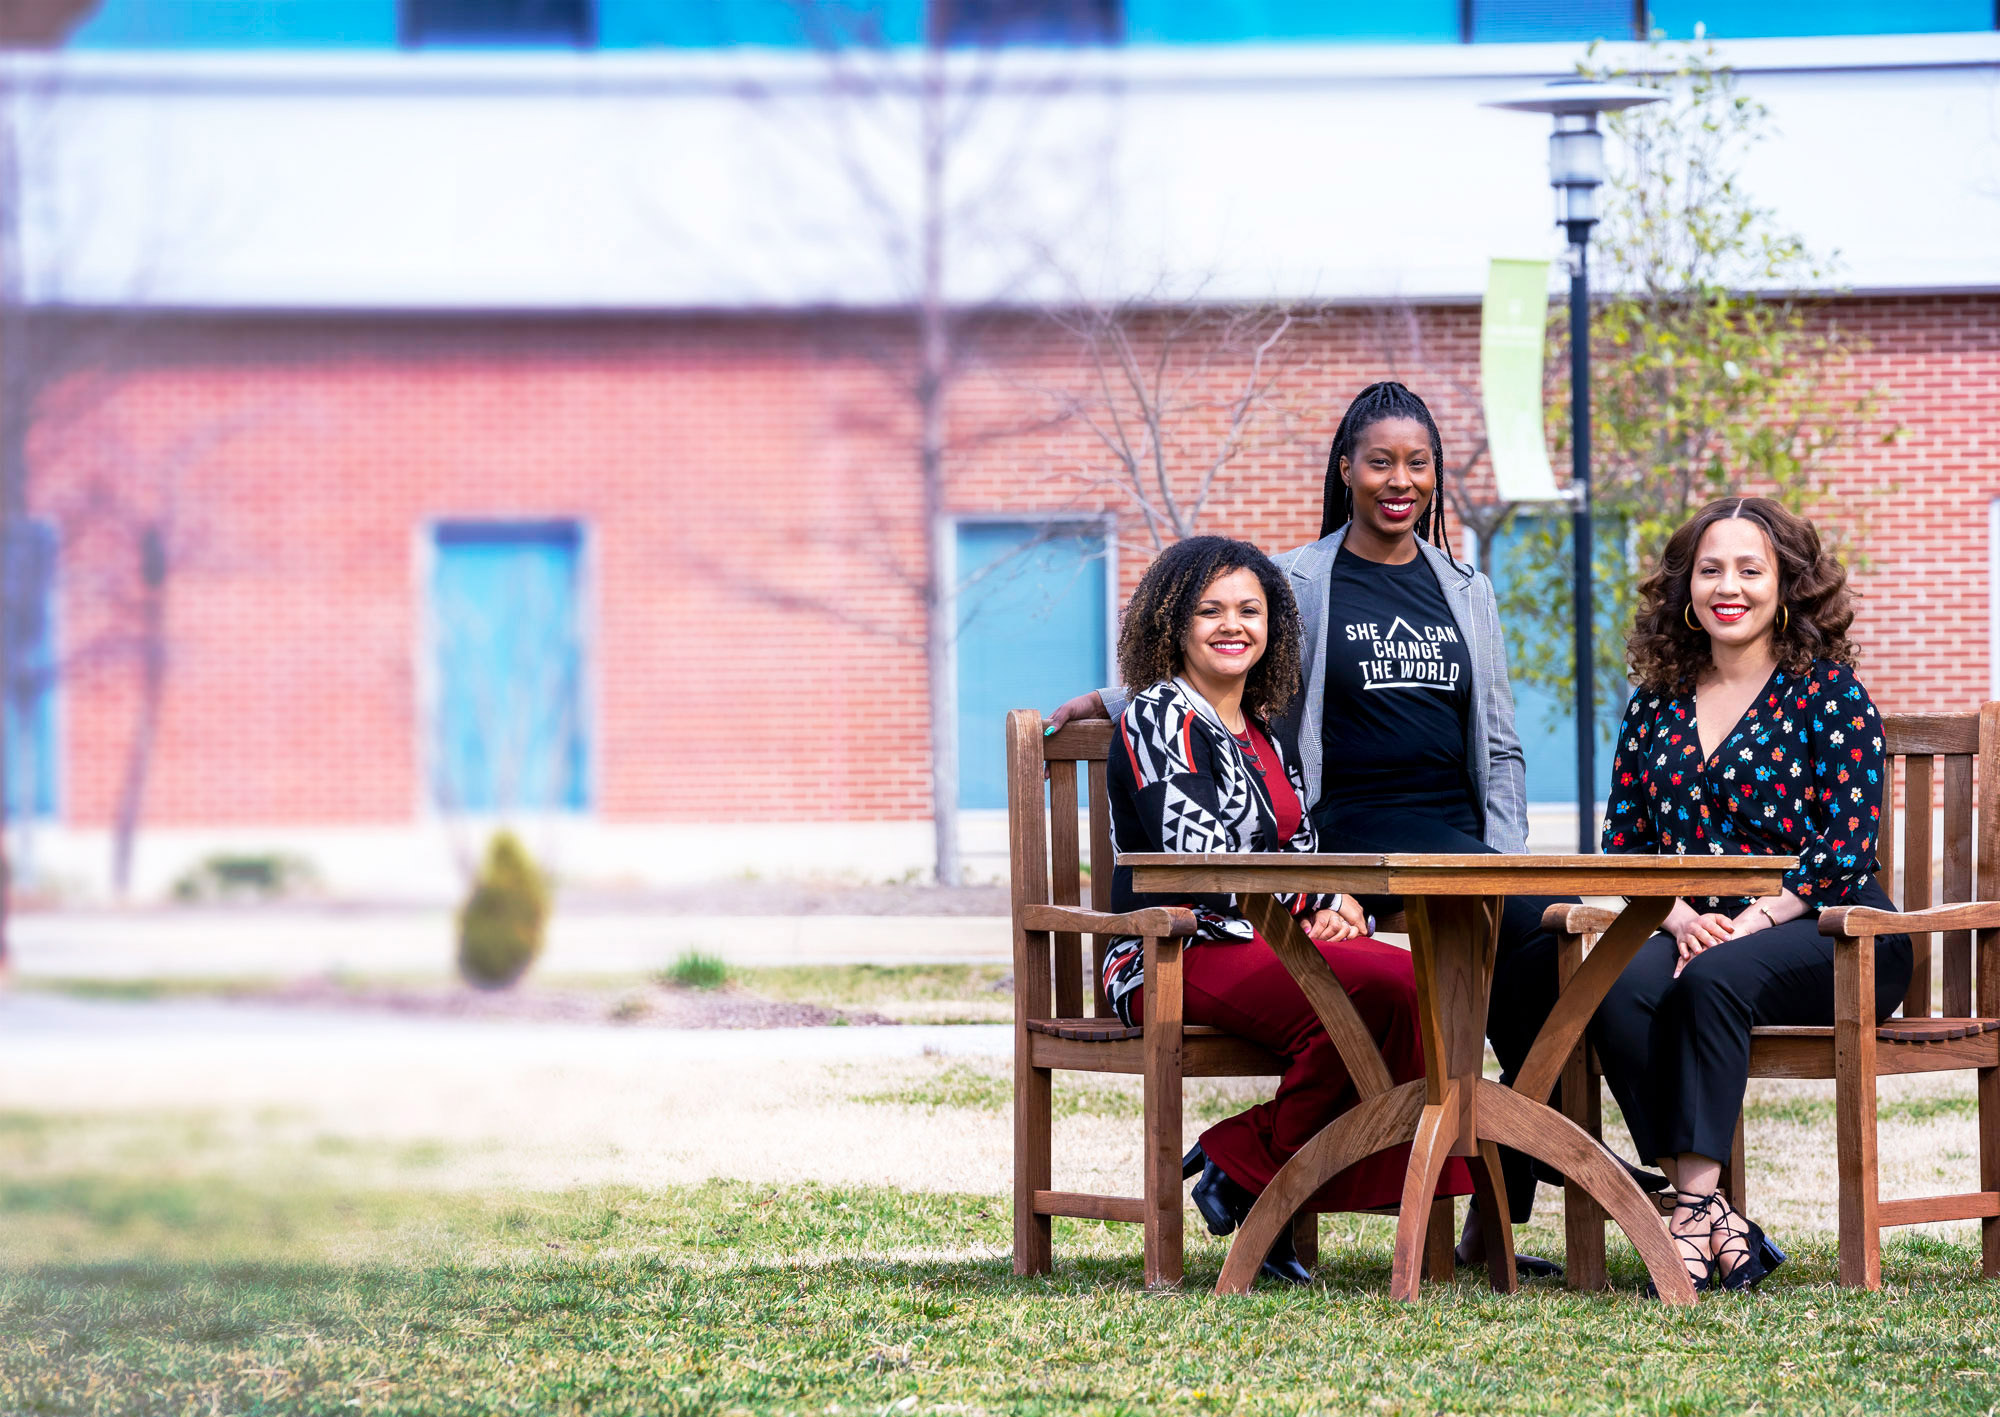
1786,611
1687,614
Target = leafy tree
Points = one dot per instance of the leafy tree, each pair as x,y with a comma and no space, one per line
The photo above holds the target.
1714,370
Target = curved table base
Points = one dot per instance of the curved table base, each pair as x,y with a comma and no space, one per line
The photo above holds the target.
1369,1126
1503,1116
1545,1134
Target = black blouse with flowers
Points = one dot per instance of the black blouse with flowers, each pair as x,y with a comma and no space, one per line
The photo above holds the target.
1799,775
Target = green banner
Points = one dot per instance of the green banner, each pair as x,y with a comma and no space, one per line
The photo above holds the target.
1511,328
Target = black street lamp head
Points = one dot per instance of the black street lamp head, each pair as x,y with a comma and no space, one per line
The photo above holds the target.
1576,147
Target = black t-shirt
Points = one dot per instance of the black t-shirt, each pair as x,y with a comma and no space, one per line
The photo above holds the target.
1398,692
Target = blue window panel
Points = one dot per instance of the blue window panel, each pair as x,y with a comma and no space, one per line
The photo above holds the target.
1751,19
30,699
1226,21
239,24
783,24
510,730
1031,633
1545,721
1504,21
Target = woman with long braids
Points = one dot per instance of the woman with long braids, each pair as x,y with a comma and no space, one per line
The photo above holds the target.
1210,643
1406,724
1748,733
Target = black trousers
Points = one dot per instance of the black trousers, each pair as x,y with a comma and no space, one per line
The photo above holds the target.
1524,973
1677,1051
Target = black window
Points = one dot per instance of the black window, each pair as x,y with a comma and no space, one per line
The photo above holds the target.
1028,21
551,22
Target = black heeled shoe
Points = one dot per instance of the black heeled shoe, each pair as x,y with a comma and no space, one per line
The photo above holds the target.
1700,1265
1746,1257
1224,1204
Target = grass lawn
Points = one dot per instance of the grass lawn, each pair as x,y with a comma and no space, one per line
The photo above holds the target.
210,1295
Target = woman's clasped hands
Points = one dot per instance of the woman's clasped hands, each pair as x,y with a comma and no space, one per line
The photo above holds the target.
1343,922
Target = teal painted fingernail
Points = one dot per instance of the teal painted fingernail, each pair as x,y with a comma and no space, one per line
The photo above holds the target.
1047,731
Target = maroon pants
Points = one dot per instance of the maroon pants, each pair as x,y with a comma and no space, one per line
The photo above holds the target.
1246,990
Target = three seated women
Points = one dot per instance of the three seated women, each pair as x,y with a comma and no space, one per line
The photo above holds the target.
1273,708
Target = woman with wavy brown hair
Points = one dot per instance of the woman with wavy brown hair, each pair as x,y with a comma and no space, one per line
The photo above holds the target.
1200,762
1748,733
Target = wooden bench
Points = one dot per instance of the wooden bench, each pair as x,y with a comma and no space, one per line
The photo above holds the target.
1052,1032
1854,1051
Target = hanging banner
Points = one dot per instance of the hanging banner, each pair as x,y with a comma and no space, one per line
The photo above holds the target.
1511,329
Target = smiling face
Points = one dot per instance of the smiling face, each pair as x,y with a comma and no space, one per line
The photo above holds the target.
1393,476
1734,583
1229,629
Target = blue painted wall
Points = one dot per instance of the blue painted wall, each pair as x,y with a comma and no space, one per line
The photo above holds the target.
29,712
1031,633
1224,21
510,728
239,24
1750,19
706,24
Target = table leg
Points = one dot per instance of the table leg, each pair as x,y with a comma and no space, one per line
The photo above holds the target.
1511,1119
1437,1129
1337,1014
1371,1125
1585,990
1496,1218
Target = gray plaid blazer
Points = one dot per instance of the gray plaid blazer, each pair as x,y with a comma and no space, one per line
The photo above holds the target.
1492,747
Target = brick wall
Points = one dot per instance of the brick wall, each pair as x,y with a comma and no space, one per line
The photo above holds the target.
751,492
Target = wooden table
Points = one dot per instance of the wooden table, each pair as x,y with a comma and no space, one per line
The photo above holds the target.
1453,905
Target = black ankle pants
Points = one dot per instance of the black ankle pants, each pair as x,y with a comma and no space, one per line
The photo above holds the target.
1677,1051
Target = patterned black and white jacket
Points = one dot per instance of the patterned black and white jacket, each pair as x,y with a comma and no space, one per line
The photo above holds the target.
1179,782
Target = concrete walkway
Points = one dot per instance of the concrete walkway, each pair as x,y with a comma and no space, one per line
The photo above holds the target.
295,942
43,1029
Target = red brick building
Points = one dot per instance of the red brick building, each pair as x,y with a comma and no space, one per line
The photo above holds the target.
751,521
427,495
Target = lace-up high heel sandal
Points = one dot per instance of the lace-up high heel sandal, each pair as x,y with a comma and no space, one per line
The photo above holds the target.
1744,1255
1691,1243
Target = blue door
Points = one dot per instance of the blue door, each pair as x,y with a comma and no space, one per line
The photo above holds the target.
510,730
1546,721
1031,633
29,710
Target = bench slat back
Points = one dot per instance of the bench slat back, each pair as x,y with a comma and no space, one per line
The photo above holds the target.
1045,850
1943,761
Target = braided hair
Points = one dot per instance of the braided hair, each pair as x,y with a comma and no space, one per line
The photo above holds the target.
1387,399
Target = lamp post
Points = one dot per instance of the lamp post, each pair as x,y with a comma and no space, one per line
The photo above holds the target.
1576,170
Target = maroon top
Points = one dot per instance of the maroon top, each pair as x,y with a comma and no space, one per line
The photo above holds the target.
1271,768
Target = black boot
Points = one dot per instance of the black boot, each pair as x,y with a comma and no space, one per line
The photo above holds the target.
1192,1163
1222,1202
1223,1205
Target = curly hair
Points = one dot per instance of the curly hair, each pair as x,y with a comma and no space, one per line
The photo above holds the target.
1157,619
1387,399
1666,655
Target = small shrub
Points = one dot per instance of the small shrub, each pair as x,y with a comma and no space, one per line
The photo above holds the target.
695,970
503,922
246,875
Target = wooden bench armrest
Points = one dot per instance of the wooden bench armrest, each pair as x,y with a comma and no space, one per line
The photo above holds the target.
1578,919
1864,922
1156,921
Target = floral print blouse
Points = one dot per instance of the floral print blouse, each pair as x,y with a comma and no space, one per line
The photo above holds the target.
1799,775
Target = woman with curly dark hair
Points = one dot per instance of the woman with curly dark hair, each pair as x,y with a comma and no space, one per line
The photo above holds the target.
1210,647
1748,733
